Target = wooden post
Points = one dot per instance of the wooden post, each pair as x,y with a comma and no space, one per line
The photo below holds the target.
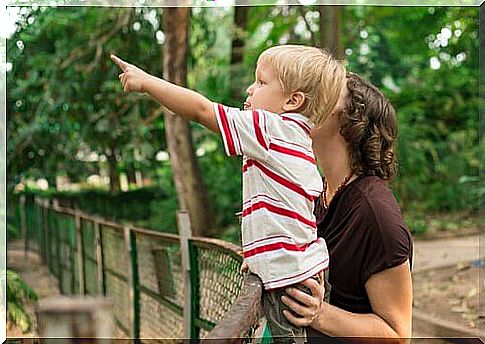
130,245
185,233
99,259
80,254
75,320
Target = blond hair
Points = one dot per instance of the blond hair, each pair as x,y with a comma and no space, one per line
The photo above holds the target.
312,71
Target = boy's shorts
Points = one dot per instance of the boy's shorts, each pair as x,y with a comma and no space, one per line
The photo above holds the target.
282,331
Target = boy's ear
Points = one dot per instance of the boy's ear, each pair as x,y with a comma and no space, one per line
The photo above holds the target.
295,101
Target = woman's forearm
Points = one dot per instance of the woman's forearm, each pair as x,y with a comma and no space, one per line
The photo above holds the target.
337,322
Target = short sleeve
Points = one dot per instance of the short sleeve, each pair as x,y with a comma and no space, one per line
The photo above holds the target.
244,132
387,239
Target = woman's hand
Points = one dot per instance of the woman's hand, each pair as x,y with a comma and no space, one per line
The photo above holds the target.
306,306
244,267
132,77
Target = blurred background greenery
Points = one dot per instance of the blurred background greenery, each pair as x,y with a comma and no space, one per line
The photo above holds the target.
72,134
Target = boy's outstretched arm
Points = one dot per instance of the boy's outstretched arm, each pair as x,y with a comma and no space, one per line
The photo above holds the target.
182,101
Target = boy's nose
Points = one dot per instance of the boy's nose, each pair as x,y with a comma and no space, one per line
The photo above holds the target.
249,90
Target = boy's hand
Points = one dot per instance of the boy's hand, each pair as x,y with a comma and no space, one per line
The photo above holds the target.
132,78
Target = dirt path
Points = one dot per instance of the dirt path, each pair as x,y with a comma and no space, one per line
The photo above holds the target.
429,254
37,276
447,283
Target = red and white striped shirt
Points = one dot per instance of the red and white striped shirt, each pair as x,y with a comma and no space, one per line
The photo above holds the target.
280,183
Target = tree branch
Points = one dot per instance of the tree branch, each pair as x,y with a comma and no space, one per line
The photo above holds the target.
97,43
308,26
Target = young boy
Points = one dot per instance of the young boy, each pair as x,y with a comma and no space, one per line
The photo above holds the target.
296,87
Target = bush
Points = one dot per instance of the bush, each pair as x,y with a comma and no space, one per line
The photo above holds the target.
18,292
131,206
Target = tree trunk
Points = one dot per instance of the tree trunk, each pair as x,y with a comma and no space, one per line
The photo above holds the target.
191,191
237,50
330,29
114,178
131,174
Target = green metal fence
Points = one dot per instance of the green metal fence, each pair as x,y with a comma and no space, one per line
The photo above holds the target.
144,272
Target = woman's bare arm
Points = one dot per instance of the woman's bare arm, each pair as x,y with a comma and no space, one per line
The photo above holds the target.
390,294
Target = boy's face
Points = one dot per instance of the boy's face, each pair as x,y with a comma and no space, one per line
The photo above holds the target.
265,92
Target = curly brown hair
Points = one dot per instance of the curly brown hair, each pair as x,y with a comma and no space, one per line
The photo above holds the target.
369,126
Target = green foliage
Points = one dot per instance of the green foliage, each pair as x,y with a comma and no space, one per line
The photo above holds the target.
18,293
232,234
437,108
13,229
64,99
134,206
223,176
13,217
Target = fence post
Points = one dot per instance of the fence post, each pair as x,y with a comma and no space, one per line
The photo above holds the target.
99,259
60,273
72,245
134,296
75,320
185,234
80,254
45,215
23,223
38,224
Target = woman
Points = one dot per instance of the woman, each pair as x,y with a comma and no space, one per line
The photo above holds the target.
369,244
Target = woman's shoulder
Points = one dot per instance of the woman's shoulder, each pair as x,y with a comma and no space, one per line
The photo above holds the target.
377,207
383,226
372,193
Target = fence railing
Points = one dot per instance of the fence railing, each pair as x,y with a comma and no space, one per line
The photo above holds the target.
162,285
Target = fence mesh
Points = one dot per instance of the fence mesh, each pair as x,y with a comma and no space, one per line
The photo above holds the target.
218,278
90,265
116,263
161,286
140,270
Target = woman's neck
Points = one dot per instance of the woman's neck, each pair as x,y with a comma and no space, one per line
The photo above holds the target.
333,159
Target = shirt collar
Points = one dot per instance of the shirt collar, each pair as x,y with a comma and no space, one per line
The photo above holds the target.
298,117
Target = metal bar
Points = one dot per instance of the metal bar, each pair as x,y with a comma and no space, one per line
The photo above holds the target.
231,249
80,256
42,239
46,232
99,260
136,284
133,294
204,324
183,222
166,236
23,222
58,252
122,326
113,273
162,300
194,289
38,226
72,249
50,243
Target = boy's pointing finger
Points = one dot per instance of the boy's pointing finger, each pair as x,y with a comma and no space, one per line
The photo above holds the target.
119,62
